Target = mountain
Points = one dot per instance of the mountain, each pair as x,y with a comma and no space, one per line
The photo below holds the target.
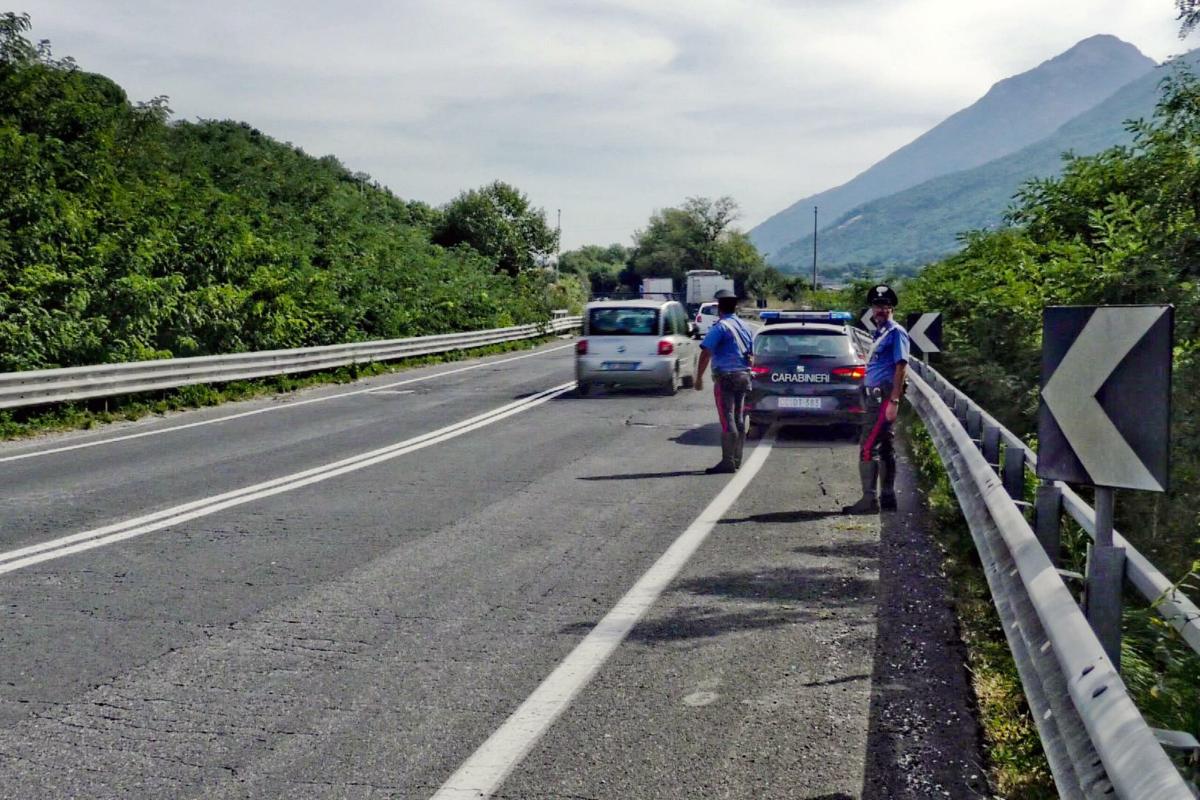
1015,112
922,223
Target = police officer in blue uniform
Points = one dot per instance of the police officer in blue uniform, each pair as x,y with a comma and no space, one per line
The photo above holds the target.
887,364
727,345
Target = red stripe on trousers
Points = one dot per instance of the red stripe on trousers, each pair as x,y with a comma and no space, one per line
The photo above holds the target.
720,405
870,441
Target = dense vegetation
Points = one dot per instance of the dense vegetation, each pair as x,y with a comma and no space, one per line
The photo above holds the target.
124,237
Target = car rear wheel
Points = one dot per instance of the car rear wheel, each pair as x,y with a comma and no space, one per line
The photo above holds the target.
583,388
755,430
671,387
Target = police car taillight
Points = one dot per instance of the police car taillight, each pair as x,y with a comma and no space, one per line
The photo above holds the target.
855,373
581,347
759,370
665,348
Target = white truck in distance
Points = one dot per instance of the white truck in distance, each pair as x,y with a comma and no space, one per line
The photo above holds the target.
658,288
702,284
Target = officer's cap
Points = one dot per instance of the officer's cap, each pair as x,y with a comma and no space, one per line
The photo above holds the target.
882,295
724,294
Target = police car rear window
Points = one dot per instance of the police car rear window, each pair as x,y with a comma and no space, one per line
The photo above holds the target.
815,344
623,322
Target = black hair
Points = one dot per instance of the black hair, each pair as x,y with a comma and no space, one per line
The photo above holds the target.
727,305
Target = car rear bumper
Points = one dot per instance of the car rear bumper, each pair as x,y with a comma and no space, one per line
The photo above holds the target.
836,409
650,370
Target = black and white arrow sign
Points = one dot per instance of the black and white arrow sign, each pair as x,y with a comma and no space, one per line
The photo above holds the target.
867,321
1106,396
925,331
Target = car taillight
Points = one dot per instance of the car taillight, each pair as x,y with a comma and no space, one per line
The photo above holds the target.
581,347
665,348
698,316
759,370
855,373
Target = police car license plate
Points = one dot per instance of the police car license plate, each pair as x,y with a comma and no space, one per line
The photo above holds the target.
799,402
620,364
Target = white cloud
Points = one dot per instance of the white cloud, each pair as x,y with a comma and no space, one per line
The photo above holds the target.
607,109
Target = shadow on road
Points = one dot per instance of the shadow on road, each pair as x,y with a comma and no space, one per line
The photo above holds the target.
774,593
783,516
636,476
841,550
705,435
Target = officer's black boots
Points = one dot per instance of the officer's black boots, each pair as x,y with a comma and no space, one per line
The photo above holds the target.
887,485
728,450
738,446
868,471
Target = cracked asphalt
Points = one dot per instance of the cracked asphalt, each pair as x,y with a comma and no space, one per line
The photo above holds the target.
360,638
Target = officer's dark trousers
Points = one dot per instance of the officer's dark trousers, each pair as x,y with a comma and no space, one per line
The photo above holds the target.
876,441
730,390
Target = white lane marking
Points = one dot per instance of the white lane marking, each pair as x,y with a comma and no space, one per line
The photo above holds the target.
392,391
483,773
281,407
127,529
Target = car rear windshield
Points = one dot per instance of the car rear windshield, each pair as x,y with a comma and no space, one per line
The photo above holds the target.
623,322
709,309
817,344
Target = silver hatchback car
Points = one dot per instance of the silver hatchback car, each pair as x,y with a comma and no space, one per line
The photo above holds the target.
636,343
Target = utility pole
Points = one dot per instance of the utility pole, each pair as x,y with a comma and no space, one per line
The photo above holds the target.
814,249
557,242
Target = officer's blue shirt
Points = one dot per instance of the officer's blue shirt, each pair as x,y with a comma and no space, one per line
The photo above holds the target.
727,356
887,353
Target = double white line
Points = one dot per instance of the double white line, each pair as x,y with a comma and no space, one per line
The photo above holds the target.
128,529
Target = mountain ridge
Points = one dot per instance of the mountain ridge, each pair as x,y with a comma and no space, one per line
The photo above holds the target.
1015,112
923,222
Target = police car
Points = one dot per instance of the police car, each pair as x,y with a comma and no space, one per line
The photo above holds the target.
807,369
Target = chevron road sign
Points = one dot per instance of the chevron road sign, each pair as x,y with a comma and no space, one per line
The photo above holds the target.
867,322
925,331
1105,411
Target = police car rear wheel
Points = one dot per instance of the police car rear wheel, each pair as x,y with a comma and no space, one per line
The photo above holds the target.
583,388
755,430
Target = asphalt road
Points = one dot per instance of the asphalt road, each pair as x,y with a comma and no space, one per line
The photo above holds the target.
317,599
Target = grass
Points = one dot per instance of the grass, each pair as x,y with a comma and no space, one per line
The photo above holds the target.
82,415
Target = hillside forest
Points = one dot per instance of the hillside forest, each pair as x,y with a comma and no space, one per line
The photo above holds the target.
126,236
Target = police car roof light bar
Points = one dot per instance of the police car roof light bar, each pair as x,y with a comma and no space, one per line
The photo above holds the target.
806,316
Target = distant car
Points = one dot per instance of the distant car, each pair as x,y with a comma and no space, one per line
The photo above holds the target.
706,317
807,369
635,343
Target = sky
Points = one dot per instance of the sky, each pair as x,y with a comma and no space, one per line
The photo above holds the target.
604,109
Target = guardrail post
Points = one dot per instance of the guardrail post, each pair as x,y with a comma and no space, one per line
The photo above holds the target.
1014,472
974,423
1105,576
960,409
1048,519
990,445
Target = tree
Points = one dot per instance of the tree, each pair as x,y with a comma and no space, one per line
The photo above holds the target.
599,267
498,222
682,239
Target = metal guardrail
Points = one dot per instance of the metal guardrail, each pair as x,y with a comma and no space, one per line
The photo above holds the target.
1096,741
43,386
